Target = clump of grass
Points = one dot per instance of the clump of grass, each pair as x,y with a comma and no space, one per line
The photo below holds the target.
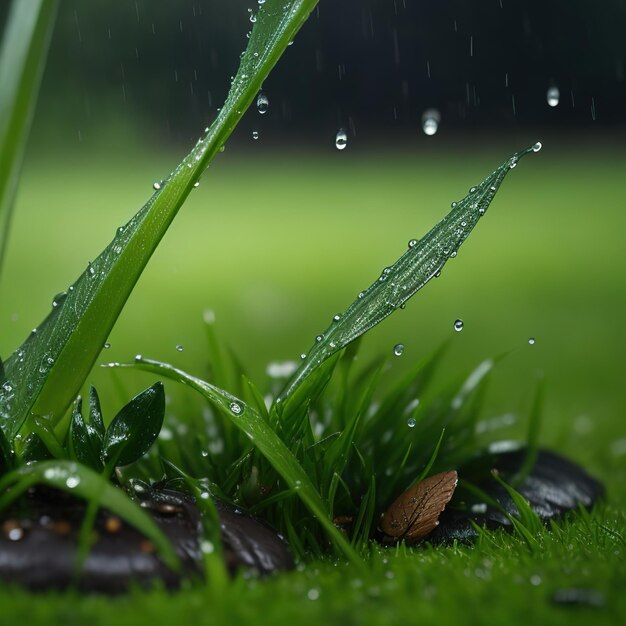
332,438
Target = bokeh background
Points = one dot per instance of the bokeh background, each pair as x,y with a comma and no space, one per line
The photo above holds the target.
284,229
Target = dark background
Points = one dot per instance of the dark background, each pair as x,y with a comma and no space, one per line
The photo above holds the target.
368,65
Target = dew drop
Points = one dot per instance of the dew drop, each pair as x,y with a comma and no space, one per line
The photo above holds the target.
552,96
411,422
336,318
319,338
453,205
156,185
412,243
537,146
360,295
196,184
458,325
303,356
179,348
262,103
398,349
138,357
107,345
513,163
235,408
531,341
58,299
473,189
72,482
430,121
341,139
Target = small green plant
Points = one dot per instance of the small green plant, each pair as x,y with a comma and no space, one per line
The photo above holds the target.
335,439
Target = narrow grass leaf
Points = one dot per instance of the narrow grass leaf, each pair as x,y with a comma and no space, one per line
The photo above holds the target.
423,260
48,370
266,441
22,60
84,483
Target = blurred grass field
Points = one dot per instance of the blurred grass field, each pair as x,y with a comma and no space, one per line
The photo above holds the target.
277,241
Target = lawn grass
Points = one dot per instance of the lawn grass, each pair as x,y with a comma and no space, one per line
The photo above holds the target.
277,256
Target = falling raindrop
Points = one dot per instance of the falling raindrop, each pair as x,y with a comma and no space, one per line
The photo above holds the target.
430,121
341,139
398,349
458,325
411,422
262,103
255,134
552,96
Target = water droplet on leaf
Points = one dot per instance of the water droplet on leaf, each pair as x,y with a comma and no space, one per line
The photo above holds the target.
458,325
398,349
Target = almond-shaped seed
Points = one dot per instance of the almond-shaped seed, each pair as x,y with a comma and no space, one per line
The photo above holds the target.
416,512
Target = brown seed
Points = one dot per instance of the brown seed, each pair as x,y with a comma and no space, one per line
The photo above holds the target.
113,524
416,512
62,528
146,546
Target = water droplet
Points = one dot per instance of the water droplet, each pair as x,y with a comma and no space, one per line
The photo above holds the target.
341,139
156,185
463,224
107,345
398,349
531,341
179,348
360,295
253,18
235,408
262,103
513,163
72,482
336,318
537,146
255,134
481,210
458,325
473,189
453,254
196,184
430,121
412,243
92,271
552,96
58,299
453,205
303,356
313,594
138,357
15,533
319,338
207,547
411,422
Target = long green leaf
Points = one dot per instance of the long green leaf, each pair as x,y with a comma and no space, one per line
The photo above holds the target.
22,60
423,260
264,438
83,482
47,371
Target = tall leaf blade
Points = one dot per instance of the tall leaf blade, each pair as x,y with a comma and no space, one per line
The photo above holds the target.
22,60
47,371
423,261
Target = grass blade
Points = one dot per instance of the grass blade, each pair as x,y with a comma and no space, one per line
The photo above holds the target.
22,60
48,370
85,483
423,260
265,439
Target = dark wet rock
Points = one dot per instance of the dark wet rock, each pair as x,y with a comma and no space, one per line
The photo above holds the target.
38,542
553,487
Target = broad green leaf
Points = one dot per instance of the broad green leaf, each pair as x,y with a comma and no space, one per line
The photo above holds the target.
48,370
84,483
95,412
22,60
7,455
85,440
423,261
135,428
266,441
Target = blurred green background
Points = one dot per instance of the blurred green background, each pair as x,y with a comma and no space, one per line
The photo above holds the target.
285,230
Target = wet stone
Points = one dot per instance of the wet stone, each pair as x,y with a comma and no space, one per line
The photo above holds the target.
39,538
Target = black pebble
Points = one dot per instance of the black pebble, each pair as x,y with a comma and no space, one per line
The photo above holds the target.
553,487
